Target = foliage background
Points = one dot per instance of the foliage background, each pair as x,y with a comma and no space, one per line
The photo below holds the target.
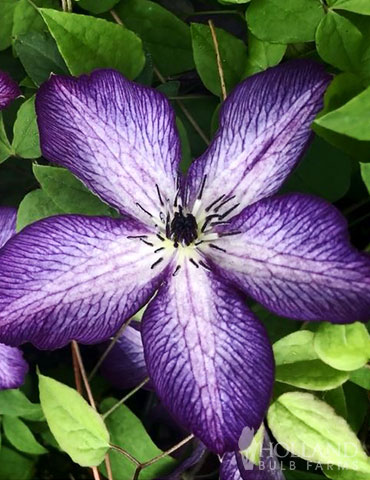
168,44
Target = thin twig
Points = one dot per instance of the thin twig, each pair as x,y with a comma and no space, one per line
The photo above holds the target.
109,348
167,452
218,59
116,17
124,453
125,398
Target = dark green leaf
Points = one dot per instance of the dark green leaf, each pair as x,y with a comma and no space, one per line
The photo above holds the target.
5,147
337,399
39,55
357,6
14,403
87,43
21,437
26,142
262,55
285,21
165,36
97,7
14,466
361,377
7,8
35,206
27,17
233,53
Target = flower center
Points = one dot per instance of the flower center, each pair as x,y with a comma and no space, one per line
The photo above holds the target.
183,228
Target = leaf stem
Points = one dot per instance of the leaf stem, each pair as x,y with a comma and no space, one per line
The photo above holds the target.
218,59
124,453
125,398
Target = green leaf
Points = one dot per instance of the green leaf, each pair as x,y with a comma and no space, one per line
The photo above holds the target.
342,89
277,327
298,364
79,430
253,452
97,7
262,55
7,8
27,17
15,404
26,143
357,405
314,174
336,473
21,437
165,36
365,174
357,6
5,147
35,206
15,466
285,21
344,347
339,41
128,432
361,377
185,146
336,399
87,43
310,428
352,119
67,192
39,55
233,53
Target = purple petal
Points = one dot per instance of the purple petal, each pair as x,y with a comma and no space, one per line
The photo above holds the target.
74,277
294,257
236,467
118,137
8,218
9,90
125,365
13,367
208,357
264,129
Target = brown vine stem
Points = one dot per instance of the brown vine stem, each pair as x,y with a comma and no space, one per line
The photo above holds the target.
78,364
218,59
181,105
109,348
125,398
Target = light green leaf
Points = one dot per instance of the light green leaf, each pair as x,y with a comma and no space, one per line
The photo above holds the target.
128,432
14,403
298,364
226,2
39,55
344,347
262,55
352,119
314,174
357,6
26,141
79,430
5,147
87,43
253,452
165,36
285,21
27,17
361,377
21,437
35,206
97,7
233,53
310,428
365,174
68,193
15,466
7,8
336,473
338,42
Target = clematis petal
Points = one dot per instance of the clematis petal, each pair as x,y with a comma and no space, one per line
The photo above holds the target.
293,256
118,137
8,218
208,357
125,365
9,90
264,129
236,467
13,367
74,277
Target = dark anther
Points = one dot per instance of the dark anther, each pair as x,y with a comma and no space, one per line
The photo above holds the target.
228,234
194,262
202,187
160,237
212,245
184,229
159,195
176,271
224,203
143,209
158,249
207,220
204,265
157,262
146,241
229,211
214,203
137,236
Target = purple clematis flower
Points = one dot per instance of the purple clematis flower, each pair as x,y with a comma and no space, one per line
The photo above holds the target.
13,367
9,90
201,243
